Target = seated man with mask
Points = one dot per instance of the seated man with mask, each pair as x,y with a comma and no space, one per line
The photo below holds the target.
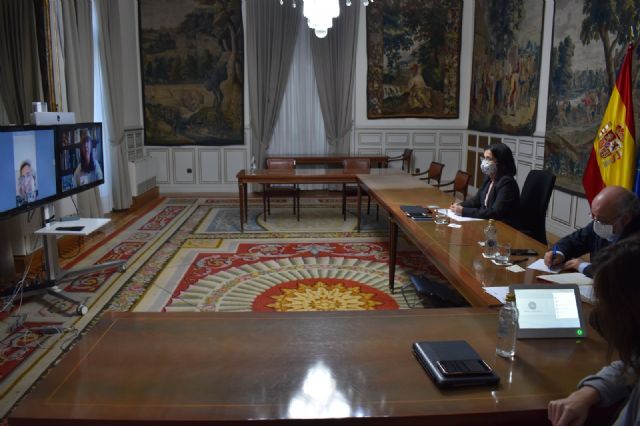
616,216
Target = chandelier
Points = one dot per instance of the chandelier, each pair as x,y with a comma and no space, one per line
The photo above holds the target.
320,13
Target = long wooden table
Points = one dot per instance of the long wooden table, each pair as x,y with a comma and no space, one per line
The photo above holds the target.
378,160
455,252
327,367
299,176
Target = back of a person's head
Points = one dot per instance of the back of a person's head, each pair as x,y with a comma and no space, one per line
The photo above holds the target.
618,294
504,157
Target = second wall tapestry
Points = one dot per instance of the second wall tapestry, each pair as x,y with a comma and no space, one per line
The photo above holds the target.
192,59
413,50
506,66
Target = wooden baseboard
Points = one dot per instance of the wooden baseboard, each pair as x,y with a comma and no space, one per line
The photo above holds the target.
144,198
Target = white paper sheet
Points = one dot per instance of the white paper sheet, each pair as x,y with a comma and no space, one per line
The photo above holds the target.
539,265
457,218
499,293
568,278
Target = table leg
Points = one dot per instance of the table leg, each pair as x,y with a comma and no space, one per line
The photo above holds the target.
393,246
359,208
242,194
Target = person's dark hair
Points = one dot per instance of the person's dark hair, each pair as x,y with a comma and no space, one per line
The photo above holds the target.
24,163
504,157
618,297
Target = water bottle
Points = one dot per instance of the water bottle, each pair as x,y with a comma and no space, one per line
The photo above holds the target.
507,328
490,239
253,168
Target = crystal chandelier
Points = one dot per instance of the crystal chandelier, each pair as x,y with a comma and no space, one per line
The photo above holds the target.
320,13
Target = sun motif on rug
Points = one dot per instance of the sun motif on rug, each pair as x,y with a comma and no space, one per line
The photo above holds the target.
324,295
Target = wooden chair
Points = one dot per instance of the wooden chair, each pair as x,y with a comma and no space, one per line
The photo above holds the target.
460,184
405,157
433,173
362,164
270,190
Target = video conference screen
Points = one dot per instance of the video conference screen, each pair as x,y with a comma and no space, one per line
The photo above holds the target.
81,164
27,167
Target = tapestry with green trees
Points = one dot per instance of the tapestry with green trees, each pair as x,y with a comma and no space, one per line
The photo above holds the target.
505,77
590,38
413,54
192,62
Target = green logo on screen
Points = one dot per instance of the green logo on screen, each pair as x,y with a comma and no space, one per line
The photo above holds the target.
579,332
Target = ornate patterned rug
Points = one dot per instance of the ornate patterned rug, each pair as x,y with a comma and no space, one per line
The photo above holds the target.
187,254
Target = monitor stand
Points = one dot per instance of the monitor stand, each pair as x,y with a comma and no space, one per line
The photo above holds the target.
55,274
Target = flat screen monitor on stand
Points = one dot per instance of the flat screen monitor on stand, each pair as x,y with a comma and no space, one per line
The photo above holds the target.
40,164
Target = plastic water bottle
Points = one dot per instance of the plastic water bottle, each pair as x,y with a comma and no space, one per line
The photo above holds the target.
490,239
507,328
253,168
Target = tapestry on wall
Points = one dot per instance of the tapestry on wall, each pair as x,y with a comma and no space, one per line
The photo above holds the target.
506,66
192,61
584,63
413,53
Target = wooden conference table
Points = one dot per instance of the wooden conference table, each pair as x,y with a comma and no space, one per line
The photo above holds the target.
347,368
377,160
299,176
454,251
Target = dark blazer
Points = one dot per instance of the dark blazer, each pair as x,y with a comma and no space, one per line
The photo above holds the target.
503,202
585,240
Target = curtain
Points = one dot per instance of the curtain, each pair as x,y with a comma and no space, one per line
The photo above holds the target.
20,77
111,69
271,35
300,127
78,61
334,60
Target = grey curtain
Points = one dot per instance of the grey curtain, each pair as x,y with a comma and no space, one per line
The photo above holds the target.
78,60
272,30
20,78
334,61
111,62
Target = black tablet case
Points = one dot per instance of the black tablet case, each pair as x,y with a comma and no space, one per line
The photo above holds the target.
429,353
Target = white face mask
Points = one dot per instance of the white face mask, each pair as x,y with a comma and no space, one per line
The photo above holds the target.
603,230
488,167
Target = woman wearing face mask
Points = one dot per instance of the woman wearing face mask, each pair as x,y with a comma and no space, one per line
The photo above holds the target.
616,216
499,195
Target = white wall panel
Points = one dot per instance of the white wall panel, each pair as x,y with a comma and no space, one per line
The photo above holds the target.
370,138
163,164
522,170
209,166
397,139
525,149
420,139
451,139
582,213
235,159
452,160
422,158
561,207
184,163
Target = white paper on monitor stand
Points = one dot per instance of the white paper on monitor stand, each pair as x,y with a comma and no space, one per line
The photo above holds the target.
570,278
540,266
499,293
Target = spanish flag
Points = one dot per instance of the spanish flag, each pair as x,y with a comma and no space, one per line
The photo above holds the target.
613,155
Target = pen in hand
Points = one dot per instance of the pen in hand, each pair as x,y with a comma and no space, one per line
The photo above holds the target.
554,252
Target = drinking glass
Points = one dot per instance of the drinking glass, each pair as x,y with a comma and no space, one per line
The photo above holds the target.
503,254
442,218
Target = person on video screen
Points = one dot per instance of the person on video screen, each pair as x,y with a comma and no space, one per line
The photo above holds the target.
88,169
26,192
